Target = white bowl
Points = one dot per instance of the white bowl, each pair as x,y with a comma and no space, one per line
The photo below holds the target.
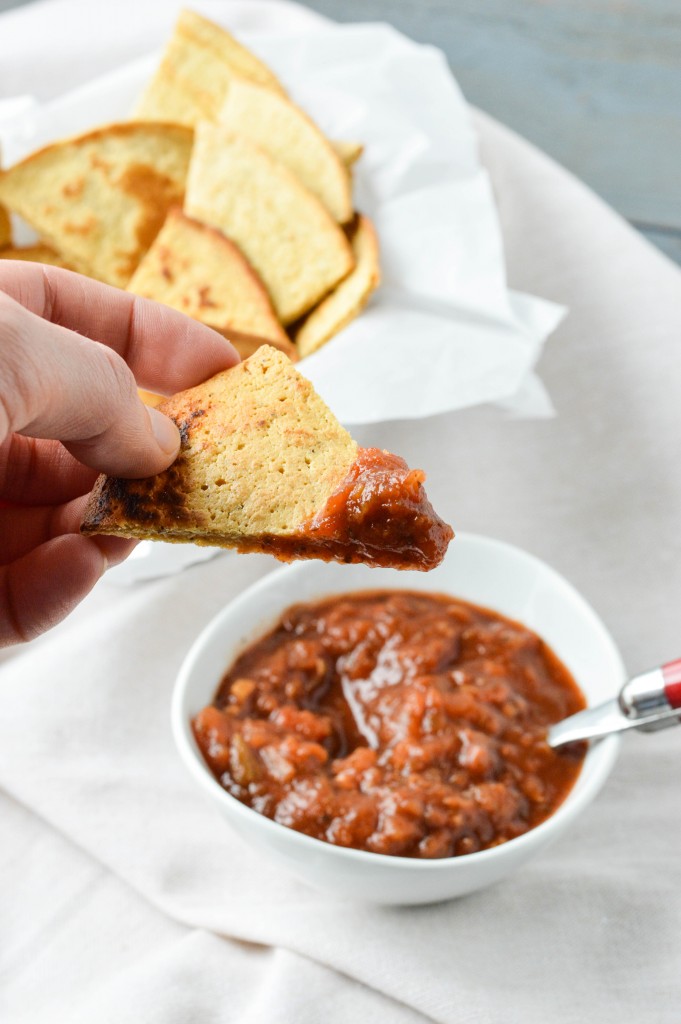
477,569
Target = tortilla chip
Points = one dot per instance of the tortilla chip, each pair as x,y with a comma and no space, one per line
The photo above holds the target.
350,297
5,228
195,269
349,152
260,455
198,65
38,253
281,129
247,344
100,199
286,234
150,397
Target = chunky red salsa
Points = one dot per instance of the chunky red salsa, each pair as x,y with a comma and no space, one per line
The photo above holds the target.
396,722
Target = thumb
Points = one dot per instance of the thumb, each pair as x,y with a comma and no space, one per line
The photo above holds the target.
56,384
144,445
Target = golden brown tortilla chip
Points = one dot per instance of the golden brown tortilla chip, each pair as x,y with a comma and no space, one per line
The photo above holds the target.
247,344
38,253
260,455
150,397
265,466
100,199
198,65
283,230
349,152
195,269
284,131
349,298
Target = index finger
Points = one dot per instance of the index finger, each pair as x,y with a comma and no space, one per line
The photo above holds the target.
166,351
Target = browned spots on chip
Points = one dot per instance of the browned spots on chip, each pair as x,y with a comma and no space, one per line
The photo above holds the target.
163,506
205,300
99,163
156,192
83,227
184,426
73,189
165,261
350,228
5,228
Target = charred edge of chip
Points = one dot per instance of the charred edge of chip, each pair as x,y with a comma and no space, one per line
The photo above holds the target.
184,425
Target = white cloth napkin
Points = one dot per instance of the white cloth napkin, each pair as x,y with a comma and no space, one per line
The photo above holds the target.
124,897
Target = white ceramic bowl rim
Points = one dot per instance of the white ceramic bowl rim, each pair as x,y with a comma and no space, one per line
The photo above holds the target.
595,768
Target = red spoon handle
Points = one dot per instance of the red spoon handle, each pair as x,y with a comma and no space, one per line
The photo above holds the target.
671,673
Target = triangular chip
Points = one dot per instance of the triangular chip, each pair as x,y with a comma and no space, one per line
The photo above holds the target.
281,129
349,298
247,344
198,65
349,152
38,253
5,228
290,239
194,268
150,397
101,198
265,466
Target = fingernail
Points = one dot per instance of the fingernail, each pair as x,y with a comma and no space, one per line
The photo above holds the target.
165,431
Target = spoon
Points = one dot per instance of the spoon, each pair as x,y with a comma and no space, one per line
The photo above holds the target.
647,702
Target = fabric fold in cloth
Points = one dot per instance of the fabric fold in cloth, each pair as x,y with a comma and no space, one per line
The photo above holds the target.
112,857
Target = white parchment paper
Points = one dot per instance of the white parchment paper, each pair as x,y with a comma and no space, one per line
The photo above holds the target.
443,332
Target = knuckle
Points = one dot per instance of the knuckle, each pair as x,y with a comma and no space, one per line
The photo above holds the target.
112,410
116,376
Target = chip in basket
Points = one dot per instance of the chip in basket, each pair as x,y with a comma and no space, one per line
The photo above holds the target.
195,269
283,230
284,131
349,152
349,298
38,253
198,65
100,199
5,228
259,244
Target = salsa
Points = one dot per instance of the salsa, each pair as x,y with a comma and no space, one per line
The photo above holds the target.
397,722
380,515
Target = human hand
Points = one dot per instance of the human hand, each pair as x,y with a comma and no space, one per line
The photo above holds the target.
72,352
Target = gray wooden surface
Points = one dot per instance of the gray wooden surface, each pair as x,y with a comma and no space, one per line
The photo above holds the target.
595,83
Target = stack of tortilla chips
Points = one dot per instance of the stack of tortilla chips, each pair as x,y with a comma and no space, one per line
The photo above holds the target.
219,198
